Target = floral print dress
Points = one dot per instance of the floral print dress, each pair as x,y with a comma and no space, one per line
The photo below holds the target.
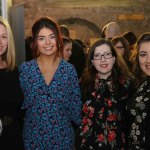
138,108
102,122
50,109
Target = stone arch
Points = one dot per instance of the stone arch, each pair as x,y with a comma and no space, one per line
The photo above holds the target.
84,29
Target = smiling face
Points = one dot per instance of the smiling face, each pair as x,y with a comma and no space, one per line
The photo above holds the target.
3,40
144,57
103,60
46,42
67,51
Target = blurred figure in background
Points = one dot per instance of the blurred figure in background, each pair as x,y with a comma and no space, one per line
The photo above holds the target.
67,50
131,38
103,35
111,30
84,47
122,46
78,58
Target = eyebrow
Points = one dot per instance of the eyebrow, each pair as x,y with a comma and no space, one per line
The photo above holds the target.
142,51
44,35
102,53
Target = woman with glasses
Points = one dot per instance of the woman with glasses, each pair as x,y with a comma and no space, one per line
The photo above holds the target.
104,88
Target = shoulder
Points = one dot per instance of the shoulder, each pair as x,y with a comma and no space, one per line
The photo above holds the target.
67,65
67,68
12,73
27,64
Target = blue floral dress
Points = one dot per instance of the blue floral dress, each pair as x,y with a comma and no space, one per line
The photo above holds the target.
50,109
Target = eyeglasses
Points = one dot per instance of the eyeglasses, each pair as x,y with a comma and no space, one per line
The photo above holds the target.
119,47
105,55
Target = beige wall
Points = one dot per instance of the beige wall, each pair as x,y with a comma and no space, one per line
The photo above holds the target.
96,12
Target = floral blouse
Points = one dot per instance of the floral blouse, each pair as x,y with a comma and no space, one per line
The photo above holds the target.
138,108
102,122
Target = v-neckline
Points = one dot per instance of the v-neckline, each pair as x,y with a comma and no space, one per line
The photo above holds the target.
42,76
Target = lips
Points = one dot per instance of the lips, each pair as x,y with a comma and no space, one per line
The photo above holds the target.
49,48
104,65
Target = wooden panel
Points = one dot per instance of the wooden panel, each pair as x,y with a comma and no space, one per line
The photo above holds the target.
131,17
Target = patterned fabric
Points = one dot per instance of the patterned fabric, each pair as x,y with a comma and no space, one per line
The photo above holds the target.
138,108
50,108
102,118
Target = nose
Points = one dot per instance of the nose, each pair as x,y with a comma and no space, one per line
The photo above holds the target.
103,58
47,40
148,58
70,52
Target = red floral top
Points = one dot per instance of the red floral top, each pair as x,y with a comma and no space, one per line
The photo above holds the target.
102,122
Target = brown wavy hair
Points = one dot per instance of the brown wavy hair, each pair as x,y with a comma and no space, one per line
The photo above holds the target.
137,71
46,22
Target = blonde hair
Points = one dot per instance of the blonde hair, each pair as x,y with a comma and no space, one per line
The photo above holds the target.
9,55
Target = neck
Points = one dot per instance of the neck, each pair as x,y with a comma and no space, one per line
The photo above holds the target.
103,76
47,60
2,63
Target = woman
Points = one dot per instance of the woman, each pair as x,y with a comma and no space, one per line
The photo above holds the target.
104,87
139,104
67,50
52,94
122,46
131,38
10,92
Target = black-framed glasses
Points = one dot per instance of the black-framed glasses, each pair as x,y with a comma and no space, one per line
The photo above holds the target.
119,47
99,56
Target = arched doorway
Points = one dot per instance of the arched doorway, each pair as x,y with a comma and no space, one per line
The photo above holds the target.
82,29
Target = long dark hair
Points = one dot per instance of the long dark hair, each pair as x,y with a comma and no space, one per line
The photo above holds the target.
125,44
119,68
46,22
137,71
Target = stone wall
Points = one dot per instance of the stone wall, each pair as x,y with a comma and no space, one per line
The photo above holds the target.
86,21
